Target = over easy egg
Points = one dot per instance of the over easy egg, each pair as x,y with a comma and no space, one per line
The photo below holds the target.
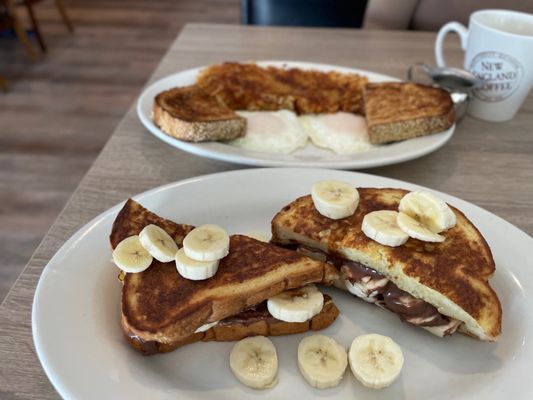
272,131
342,132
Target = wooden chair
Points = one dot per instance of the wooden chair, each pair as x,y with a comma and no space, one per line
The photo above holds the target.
62,12
3,83
10,7
12,21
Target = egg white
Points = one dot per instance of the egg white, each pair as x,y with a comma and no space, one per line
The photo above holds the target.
272,132
344,133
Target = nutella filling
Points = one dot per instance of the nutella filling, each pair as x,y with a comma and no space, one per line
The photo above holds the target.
374,287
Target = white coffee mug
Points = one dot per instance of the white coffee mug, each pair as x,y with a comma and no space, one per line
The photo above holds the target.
498,49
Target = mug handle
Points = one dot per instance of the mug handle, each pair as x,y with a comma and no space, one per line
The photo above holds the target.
456,27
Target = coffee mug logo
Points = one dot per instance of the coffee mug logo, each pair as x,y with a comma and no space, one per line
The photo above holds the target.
500,73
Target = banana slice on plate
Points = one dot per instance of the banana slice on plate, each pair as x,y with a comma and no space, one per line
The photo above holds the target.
417,230
158,243
254,362
195,270
429,210
322,361
335,199
375,360
296,305
206,243
382,227
130,256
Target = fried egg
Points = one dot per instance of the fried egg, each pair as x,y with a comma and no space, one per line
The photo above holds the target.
342,132
272,132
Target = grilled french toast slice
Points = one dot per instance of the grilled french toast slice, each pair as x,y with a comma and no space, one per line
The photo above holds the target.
160,305
453,276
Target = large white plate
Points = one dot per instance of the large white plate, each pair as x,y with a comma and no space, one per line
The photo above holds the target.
79,340
310,156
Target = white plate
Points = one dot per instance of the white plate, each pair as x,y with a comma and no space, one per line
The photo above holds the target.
309,156
79,340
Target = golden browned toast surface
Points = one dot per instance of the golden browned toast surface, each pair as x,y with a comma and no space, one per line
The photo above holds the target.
192,104
250,322
397,111
158,304
458,268
188,113
251,87
133,217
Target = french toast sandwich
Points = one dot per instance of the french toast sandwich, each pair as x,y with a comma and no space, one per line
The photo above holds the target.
442,287
161,310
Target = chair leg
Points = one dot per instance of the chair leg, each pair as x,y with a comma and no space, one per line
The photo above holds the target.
64,15
3,83
35,25
19,30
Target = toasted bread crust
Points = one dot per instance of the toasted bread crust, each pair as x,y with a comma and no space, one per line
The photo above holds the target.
237,329
160,305
454,273
133,217
187,113
398,111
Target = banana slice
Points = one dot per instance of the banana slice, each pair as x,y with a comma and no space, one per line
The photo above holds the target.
254,362
335,199
375,360
415,229
429,210
296,305
130,256
195,270
206,243
158,243
322,361
206,327
382,227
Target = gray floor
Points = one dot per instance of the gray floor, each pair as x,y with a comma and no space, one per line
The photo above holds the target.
60,111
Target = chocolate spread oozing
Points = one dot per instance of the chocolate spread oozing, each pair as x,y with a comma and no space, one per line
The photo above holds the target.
375,287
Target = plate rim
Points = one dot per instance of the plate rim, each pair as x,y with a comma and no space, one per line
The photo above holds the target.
198,150
45,359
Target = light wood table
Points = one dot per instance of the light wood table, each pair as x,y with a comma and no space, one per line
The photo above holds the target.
488,164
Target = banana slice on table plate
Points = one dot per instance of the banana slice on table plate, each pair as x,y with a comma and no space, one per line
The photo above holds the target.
206,243
195,270
335,199
296,305
158,243
382,227
254,362
429,210
322,361
375,360
130,256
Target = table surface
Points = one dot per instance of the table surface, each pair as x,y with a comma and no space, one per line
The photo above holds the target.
488,164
